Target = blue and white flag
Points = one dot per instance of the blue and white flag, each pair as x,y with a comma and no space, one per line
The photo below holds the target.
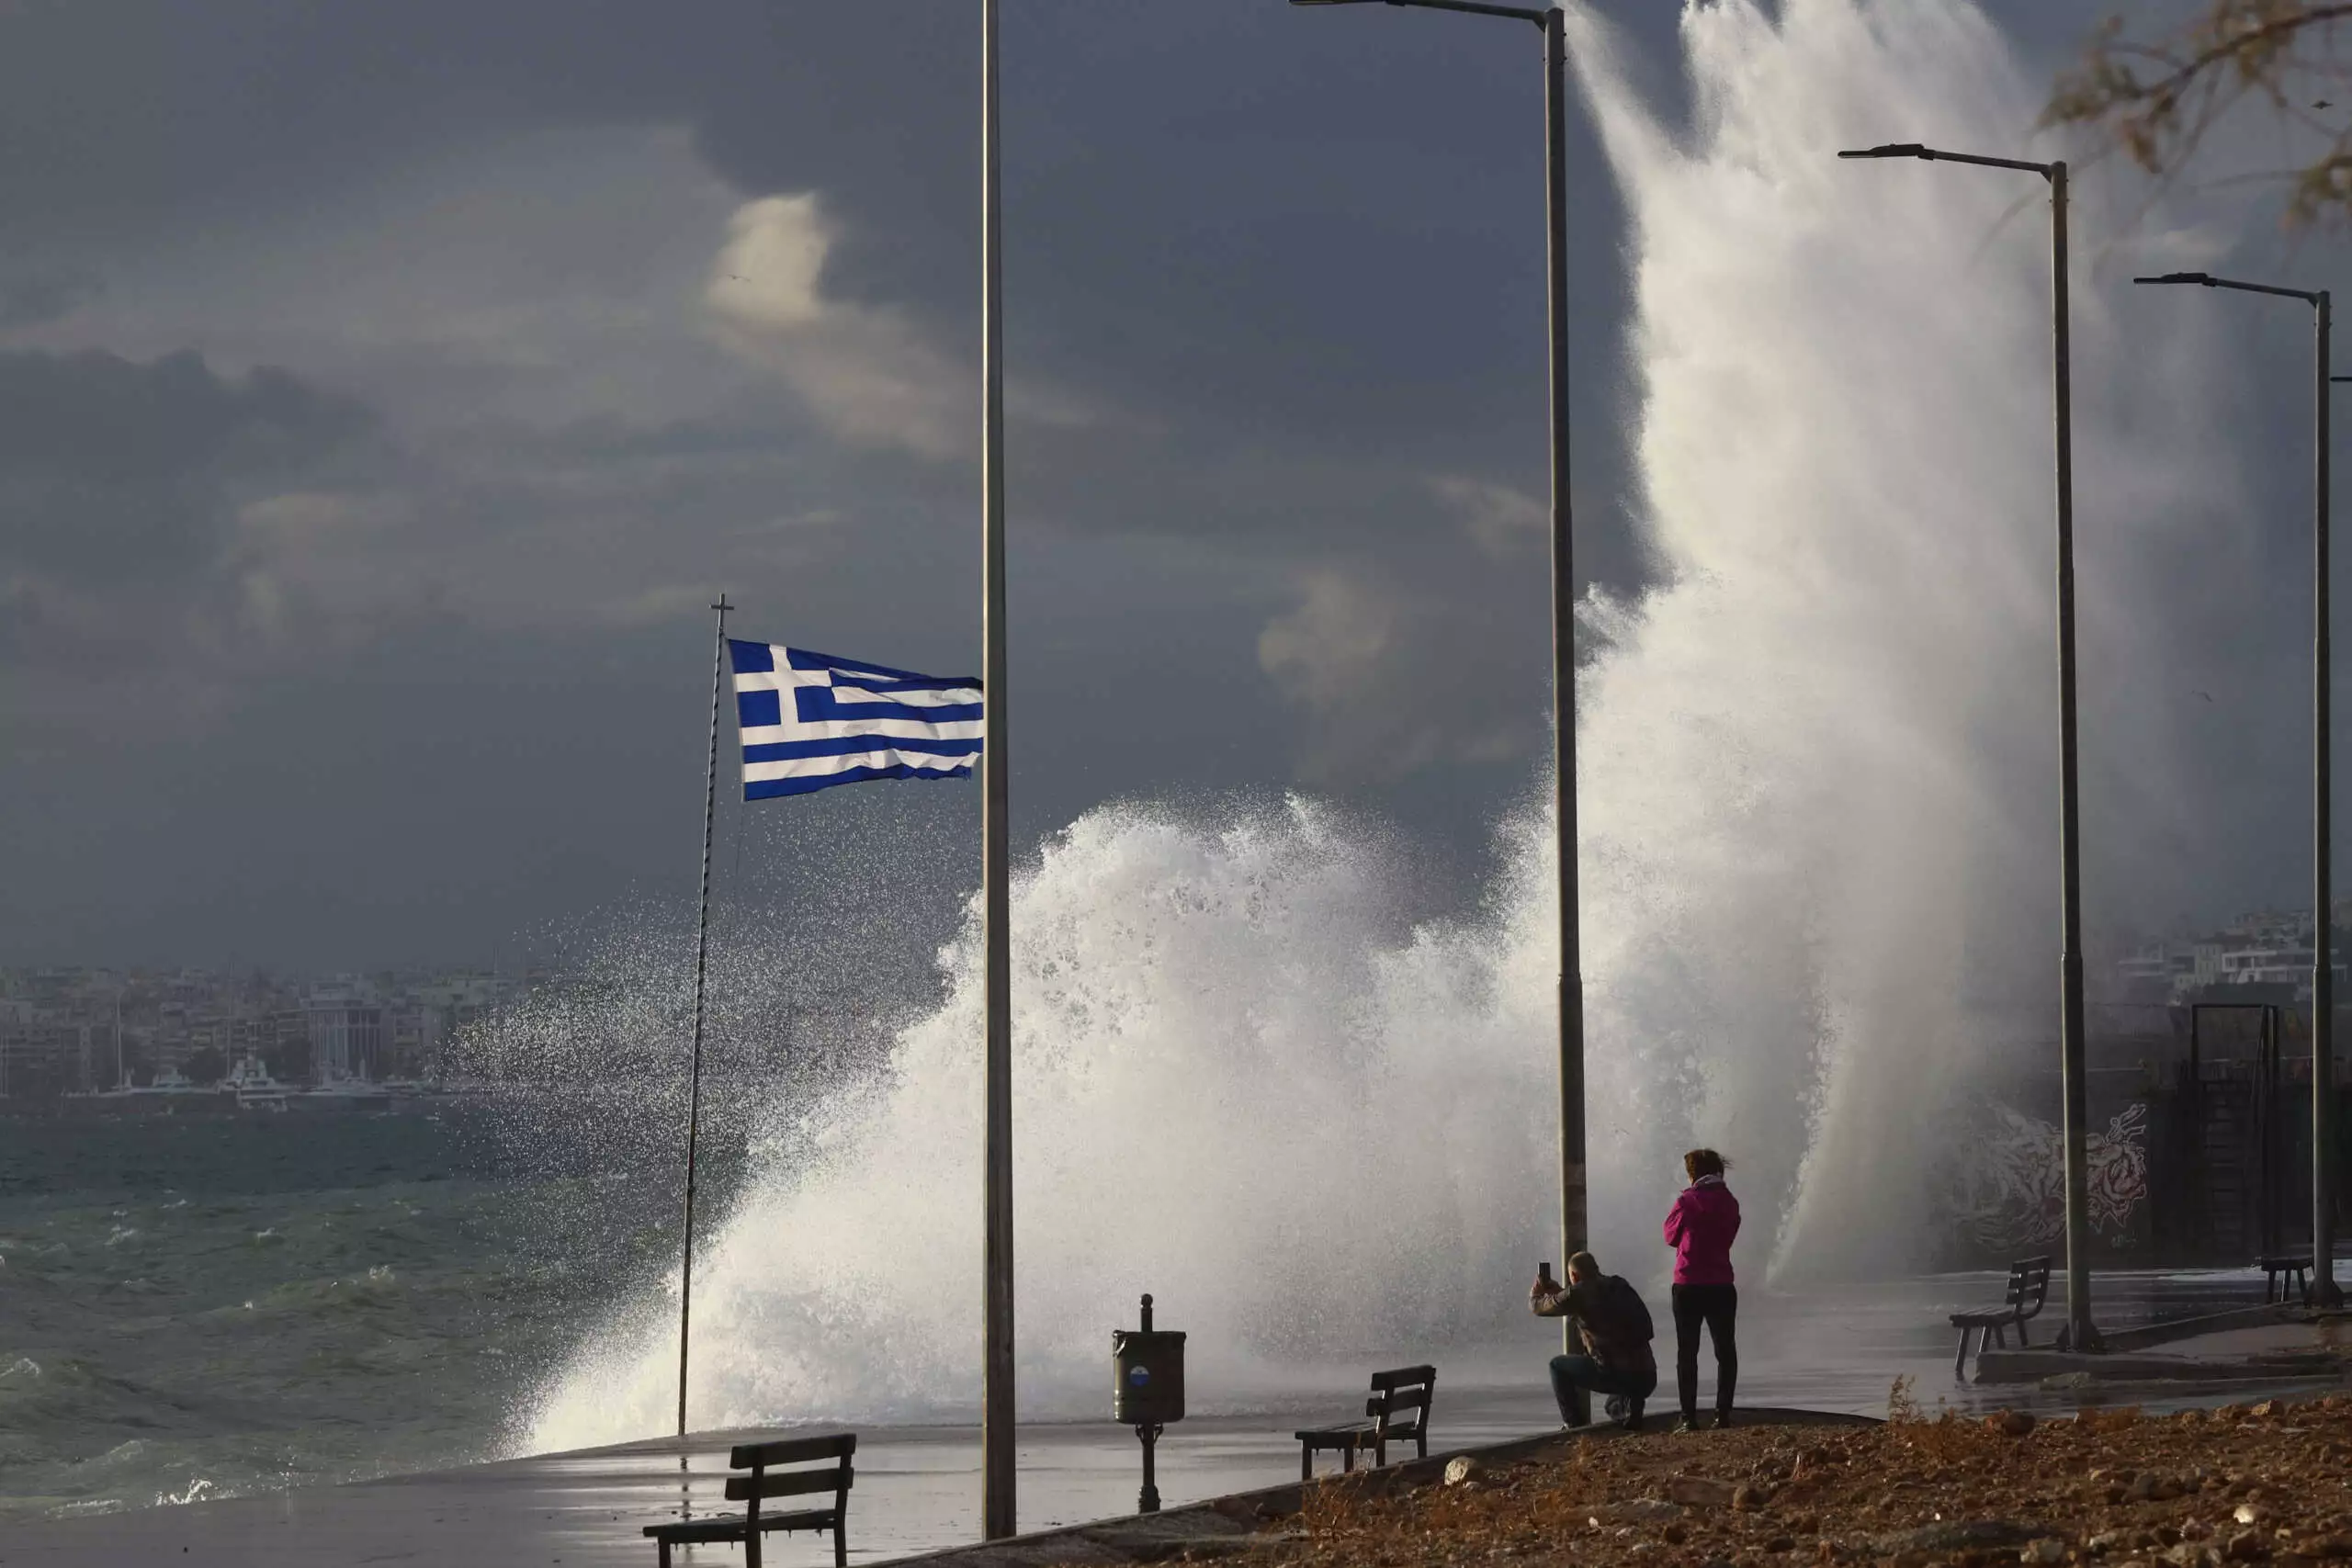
811,721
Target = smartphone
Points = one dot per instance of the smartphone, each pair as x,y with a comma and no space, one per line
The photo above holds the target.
1543,1276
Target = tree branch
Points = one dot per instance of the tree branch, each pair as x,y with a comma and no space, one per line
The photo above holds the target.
2239,47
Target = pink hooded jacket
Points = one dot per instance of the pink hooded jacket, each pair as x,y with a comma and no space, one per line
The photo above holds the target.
1700,1227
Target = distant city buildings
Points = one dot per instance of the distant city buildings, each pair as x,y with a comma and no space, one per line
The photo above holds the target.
67,1030
2269,948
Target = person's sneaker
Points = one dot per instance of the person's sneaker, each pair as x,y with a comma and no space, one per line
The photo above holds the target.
1722,1419
1616,1405
1691,1424
1633,1418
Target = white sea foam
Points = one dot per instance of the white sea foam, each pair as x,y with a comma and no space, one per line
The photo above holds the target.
1818,830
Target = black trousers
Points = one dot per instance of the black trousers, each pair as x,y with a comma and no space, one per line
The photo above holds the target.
1717,1306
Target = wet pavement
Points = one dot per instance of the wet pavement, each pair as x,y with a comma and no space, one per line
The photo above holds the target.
1832,1347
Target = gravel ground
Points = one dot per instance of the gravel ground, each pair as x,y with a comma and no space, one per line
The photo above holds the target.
2270,1482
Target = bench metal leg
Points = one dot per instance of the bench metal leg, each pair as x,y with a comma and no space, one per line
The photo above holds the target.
841,1547
665,1552
1348,1460
1307,1461
1380,1453
2025,1341
1959,1362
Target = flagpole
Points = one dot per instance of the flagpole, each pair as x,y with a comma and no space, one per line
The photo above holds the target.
996,1250
702,952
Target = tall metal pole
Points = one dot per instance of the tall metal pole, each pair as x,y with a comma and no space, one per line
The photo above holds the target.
2324,1287
2081,1334
1573,1218
996,1249
694,1077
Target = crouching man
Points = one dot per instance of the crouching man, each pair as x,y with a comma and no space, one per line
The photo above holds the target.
1615,1328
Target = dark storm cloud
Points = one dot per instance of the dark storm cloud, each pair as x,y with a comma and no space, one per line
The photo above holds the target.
119,489
144,115
34,297
111,468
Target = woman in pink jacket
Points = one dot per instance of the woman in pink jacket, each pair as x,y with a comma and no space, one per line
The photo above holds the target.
1700,1227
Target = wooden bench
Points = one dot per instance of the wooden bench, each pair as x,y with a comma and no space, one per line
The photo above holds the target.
2283,1272
1398,1409
2029,1288
768,1480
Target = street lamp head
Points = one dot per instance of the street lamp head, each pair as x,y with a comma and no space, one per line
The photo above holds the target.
2203,279
1891,150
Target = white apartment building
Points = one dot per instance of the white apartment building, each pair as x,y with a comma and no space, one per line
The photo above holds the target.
345,1024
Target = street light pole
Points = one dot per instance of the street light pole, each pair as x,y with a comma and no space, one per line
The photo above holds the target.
2080,1333
2324,1287
1553,23
2074,1070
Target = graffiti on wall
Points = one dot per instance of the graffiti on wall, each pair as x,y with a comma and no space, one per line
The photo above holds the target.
2009,1186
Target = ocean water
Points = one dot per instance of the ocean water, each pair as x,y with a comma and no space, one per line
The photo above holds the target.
212,1305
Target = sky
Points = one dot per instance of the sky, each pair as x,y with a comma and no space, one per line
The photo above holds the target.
386,391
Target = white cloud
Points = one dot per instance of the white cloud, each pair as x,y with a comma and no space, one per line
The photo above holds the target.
1501,520
865,371
1386,677
323,563
1326,652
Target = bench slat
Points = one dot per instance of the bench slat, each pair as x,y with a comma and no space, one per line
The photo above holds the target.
1417,1399
1344,1431
1403,1377
792,1450
697,1531
704,1532
789,1483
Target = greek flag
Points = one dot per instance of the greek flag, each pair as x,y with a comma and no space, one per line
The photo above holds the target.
811,721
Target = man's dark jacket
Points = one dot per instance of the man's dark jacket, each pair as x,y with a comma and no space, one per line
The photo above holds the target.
1610,1319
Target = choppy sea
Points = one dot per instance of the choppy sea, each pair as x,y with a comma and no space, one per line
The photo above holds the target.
204,1306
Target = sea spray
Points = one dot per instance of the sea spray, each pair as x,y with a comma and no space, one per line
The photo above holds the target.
1820,761
1818,798
1213,1099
